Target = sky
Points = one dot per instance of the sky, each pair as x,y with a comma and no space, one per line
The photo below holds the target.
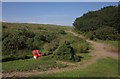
58,13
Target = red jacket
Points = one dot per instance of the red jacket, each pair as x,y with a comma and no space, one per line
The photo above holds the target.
36,53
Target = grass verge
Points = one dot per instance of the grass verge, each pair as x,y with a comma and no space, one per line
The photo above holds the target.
41,64
102,68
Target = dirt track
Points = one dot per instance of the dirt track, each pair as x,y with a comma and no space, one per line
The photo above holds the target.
99,51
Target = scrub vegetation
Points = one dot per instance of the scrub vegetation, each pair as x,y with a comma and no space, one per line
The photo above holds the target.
63,48
52,41
102,24
20,39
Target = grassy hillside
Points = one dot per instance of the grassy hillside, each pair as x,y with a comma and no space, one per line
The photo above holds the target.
61,47
58,46
19,39
102,24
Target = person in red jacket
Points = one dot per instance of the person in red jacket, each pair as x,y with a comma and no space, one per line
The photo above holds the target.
36,54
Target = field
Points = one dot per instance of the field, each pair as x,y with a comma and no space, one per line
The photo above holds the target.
51,40
63,49
88,48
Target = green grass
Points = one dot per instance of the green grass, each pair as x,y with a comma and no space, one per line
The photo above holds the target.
85,56
79,44
34,27
102,68
113,45
41,64
109,42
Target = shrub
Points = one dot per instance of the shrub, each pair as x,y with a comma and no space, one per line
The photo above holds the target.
101,24
13,57
13,43
4,35
29,43
62,32
18,40
103,33
4,26
65,52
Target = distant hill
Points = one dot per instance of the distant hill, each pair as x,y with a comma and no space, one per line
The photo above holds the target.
101,24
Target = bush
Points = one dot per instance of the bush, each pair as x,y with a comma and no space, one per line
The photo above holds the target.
29,34
29,43
13,43
101,24
62,32
13,57
65,52
105,32
4,35
38,44
77,58
18,40
4,26
50,46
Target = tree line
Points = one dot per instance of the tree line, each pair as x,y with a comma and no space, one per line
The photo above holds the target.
102,24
